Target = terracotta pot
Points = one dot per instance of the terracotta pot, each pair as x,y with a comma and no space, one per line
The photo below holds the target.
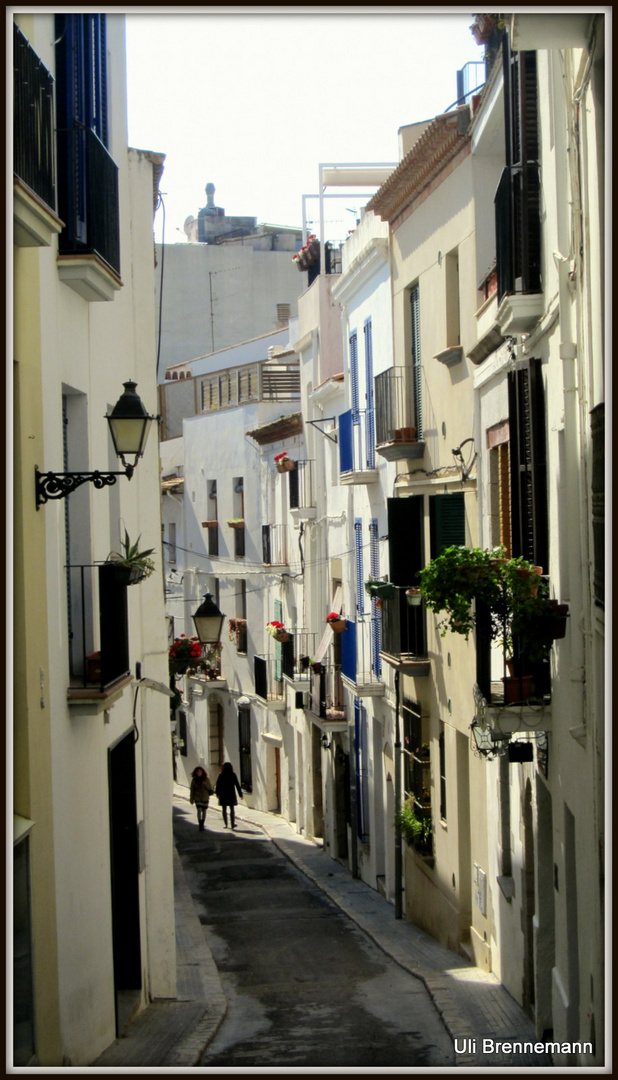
337,625
282,635
517,688
405,434
286,466
93,667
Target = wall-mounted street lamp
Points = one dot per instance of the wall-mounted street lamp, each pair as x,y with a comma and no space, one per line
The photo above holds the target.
129,424
208,621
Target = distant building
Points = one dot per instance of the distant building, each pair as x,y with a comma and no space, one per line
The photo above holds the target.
235,280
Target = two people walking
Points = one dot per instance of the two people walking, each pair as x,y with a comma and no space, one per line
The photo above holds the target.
225,789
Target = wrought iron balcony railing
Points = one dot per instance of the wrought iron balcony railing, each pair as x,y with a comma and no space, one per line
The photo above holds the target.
88,197
397,430
91,666
404,634
33,132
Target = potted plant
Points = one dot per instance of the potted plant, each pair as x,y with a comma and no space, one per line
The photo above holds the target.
236,523
316,667
413,596
380,590
185,654
131,565
284,463
417,832
336,622
522,617
277,630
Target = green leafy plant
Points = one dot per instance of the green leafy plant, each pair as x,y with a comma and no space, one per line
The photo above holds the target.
461,580
132,557
417,832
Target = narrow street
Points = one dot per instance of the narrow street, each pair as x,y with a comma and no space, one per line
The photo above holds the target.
305,987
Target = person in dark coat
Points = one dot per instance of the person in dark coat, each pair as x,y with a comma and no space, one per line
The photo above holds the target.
200,792
226,787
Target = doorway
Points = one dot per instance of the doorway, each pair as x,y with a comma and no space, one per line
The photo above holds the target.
124,858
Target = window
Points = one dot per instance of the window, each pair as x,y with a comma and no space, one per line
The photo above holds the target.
87,175
172,542
597,429
442,761
500,486
182,732
244,741
361,745
23,995
451,272
403,627
415,332
412,741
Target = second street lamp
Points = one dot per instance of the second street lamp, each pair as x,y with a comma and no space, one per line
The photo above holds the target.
208,621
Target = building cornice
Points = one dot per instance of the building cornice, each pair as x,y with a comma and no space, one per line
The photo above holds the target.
284,427
363,267
433,152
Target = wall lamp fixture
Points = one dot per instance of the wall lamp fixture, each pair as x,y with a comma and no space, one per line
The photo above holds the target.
129,424
208,621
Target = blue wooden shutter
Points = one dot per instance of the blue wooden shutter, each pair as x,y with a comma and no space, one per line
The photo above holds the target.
358,551
376,622
370,423
416,361
348,651
354,378
346,456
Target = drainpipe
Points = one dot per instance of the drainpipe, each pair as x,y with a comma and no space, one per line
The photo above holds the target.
398,861
575,541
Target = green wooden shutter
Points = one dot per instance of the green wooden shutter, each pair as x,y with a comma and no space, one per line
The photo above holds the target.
447,521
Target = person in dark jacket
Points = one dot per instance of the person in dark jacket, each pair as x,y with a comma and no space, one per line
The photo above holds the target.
200,792
226,787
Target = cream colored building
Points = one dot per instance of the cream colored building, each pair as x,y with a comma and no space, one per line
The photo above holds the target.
93,886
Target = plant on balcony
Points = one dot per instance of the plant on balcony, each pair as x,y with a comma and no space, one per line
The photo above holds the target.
132,565
277,630
308,254
236,628
236,523
185,654
522,617
416,832
336,622
284,463
380,590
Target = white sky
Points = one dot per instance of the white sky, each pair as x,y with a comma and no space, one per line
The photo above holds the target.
253,100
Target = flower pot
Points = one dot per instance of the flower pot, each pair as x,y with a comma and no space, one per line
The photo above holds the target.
281,635
405,434
413,597
93,667
286,466
380,590
316,668
129,575
337,625
517,688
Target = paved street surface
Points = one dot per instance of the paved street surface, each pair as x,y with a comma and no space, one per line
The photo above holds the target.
277,944
305,987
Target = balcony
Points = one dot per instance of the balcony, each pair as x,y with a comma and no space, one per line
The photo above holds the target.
35,219
394,416
360,657
302,491
357,455
89,244
296,656
518,248
326,699
404,636
268,681
275,545
98,662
